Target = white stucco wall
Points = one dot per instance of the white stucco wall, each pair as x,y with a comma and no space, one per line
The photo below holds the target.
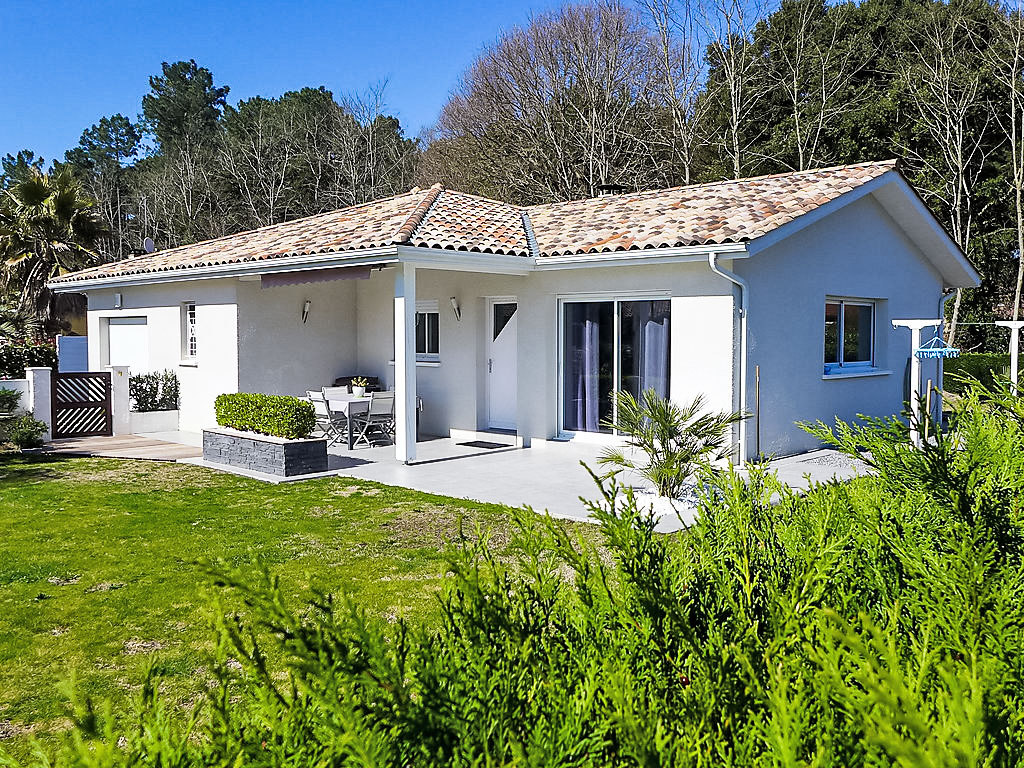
281,355
454,391
215,369
857,252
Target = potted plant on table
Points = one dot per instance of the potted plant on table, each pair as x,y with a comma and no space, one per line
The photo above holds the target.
359,384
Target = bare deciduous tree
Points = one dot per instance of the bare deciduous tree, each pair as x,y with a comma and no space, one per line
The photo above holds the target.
1008,65
943,84
737,74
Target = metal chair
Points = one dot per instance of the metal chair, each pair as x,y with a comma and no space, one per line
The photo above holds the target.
378,418
332,425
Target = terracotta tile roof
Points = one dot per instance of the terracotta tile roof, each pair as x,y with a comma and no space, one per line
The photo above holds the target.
378,223
723,212
460,222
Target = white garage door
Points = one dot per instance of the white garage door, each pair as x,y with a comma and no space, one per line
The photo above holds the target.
129,343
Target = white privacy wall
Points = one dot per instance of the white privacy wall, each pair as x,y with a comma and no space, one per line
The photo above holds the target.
281,355
858,252
215,369
454,391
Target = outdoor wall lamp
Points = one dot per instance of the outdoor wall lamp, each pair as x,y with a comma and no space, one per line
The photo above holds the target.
305,310
456,310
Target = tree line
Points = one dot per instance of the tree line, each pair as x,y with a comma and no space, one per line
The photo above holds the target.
651,94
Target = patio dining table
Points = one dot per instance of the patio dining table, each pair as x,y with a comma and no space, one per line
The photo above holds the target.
350,405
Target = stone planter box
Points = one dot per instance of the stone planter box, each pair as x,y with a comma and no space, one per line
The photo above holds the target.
152,421
263,453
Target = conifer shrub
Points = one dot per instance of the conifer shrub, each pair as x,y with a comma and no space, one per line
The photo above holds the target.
875,622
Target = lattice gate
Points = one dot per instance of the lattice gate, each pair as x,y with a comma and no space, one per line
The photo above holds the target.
81,404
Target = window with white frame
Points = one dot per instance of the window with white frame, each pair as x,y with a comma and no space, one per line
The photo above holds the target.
849,335
428,331
188,331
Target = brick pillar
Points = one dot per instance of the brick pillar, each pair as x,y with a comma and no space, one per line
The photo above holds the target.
39,394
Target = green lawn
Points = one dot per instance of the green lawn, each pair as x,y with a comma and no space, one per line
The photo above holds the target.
100,568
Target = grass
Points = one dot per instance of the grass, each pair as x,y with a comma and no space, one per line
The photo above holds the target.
101,569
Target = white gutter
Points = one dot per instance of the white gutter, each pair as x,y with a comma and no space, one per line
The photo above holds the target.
744,304
684,253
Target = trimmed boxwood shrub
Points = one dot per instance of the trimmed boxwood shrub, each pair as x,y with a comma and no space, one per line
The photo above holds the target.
981,366
277,415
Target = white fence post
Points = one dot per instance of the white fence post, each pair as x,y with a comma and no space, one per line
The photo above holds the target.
39,398
119,400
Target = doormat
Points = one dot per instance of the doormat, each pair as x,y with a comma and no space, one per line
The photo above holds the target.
484,444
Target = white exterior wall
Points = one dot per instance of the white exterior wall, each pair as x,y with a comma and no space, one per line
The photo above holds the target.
215,369
857,252
281,355
454,390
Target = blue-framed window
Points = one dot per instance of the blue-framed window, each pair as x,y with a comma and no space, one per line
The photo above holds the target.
849,335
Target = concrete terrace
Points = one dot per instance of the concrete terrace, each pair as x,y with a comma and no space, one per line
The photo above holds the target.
548,476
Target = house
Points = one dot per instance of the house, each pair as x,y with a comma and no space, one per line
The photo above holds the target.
772,294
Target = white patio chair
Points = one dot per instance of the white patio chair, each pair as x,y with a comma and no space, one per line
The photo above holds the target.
378,418
331,424
335,393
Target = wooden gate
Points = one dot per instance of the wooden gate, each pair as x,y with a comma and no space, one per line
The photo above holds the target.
81,404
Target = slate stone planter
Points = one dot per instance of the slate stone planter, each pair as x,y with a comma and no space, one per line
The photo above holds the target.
263,453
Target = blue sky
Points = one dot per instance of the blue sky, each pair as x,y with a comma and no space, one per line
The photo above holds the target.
64,64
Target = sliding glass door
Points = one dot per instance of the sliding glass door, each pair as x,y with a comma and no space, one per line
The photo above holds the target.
608,346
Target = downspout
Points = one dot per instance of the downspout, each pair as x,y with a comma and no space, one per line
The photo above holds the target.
744,297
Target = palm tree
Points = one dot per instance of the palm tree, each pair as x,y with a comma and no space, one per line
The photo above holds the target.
18,325
673,439
48,227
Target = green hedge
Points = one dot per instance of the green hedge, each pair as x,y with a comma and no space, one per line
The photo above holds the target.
15,358
981,366
154,391
277,415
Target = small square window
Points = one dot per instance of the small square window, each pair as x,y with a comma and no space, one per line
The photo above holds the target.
849,335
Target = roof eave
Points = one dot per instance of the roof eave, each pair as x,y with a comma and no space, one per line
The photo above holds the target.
658,255
380,255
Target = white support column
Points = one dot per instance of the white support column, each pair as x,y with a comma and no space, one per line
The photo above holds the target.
1015,327
405,363
120,402
39,398
915,327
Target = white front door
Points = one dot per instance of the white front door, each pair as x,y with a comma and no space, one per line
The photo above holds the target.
502,382
128,343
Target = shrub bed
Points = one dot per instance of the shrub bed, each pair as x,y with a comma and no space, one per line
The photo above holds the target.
981,366
277,415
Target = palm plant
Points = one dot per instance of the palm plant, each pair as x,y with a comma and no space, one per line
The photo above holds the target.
672,439
48,227
16,324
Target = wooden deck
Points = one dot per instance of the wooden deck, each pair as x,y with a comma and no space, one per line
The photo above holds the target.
123,447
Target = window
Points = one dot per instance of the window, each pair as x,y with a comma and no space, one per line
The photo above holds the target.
428,334
610,346
188,330
849,335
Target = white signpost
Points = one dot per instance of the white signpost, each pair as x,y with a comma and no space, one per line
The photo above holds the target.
915,327
1015,327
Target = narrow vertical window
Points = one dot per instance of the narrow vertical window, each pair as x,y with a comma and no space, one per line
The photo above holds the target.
428,331
188,330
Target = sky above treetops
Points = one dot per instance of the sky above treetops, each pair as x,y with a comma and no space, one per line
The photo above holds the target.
65,64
